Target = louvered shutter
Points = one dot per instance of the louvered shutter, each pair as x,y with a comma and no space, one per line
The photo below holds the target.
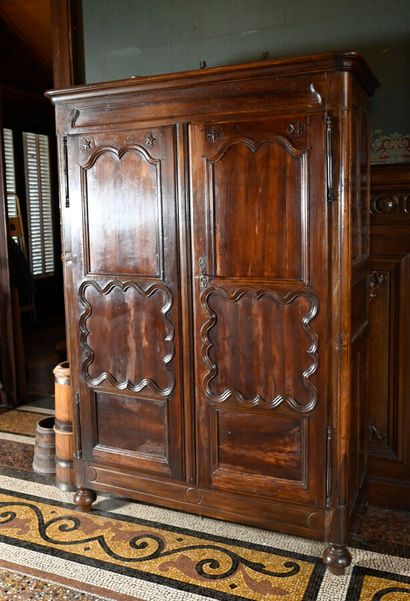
10,172
38,191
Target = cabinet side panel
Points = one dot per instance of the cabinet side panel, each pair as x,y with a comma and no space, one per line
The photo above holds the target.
359,297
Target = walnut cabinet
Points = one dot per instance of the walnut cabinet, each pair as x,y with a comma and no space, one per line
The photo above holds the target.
216,247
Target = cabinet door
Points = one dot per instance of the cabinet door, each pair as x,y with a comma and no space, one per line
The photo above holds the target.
125,303
259,220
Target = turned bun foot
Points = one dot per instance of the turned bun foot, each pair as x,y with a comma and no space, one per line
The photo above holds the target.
84,498
336,558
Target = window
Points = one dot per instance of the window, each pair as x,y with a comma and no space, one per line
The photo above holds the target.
39,209
38,198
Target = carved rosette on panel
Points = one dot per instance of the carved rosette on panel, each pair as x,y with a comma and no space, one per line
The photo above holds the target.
87,144
389,203
296,129
131,328
213,133
281,396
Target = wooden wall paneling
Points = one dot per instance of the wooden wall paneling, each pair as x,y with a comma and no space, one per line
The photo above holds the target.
68,58
389,375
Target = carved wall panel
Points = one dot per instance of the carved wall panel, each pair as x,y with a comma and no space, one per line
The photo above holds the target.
259,347
121,191
258,209
391,202
127,336
384,323
389,375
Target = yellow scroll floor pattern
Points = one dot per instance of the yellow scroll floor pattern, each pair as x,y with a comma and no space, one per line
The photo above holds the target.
367,584
186,560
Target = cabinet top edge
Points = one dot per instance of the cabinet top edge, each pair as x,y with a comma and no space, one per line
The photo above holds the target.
301,65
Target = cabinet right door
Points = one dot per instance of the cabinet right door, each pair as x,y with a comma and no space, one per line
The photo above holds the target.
259,220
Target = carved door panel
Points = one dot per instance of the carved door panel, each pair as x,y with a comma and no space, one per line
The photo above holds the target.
125,289
259,220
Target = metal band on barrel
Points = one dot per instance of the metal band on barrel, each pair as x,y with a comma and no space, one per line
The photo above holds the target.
63,381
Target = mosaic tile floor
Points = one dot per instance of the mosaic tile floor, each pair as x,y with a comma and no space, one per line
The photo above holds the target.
123,550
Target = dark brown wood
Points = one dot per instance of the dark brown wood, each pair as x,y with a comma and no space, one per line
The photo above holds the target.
336,558
84,498
214,251
389,375
257,323
68,63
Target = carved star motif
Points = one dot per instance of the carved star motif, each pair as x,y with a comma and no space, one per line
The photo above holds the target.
86,144
150,140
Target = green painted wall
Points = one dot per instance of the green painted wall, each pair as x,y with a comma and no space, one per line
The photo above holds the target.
140,37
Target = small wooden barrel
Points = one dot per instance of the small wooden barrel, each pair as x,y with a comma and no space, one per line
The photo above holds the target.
63,427
44,447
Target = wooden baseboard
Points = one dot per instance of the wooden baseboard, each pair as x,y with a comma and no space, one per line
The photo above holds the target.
389,493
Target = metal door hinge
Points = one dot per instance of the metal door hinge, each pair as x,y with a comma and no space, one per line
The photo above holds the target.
331,192
329,438
67,192
78,450
202,276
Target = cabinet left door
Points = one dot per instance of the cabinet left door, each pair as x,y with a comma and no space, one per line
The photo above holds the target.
123,299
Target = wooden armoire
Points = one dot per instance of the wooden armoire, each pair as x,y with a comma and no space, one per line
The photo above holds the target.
216,246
